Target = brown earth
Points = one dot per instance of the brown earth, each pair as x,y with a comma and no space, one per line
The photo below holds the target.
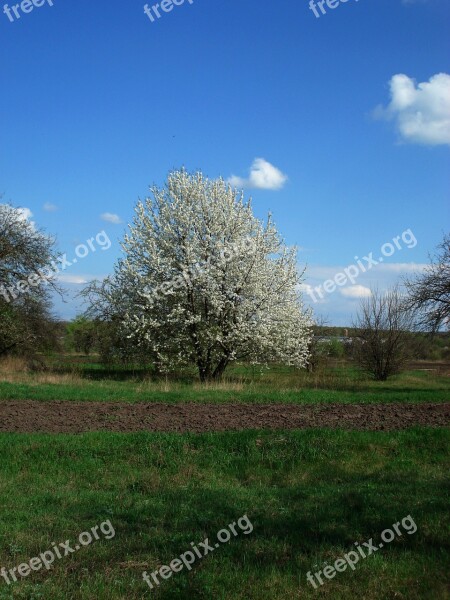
78,417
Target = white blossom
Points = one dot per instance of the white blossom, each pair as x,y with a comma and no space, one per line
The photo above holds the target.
204,282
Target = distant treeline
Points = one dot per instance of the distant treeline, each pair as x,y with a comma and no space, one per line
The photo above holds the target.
90,337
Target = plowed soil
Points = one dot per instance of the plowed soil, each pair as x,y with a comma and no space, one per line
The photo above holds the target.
78,417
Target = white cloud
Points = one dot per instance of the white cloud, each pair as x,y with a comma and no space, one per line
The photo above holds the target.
307,291
49,207
320,273
25,213
263,176
421,111
401,267
74,279
78,279
111,218
356,291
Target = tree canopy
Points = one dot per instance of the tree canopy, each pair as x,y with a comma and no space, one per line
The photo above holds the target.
429,292
25,308
203,282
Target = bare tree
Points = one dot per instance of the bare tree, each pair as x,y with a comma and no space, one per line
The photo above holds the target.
25,253
317,353
24,249
429,292
384,330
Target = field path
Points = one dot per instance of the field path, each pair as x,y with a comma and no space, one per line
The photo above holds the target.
78,417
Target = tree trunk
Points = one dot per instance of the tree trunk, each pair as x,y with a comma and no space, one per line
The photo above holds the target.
220,369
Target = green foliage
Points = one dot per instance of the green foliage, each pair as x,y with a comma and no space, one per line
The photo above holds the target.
26,323
82,335
336,349
27,327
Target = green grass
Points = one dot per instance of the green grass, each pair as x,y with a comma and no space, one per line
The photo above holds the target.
309,495
115,392
342,383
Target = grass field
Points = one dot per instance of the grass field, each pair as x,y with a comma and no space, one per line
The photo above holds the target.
309,495
77,379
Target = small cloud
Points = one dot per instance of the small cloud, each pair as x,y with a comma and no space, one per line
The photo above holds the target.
402,267
25,215
308,291
356,291
74,279
49,207
421,111
111,218
78,279
305,288
263,176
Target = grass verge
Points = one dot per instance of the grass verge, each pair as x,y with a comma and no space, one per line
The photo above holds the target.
279,385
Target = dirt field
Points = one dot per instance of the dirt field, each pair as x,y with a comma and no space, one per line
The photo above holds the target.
73,417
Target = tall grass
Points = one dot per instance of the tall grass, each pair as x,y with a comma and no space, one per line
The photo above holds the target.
75,377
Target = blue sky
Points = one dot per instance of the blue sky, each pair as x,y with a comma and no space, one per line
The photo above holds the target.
98,102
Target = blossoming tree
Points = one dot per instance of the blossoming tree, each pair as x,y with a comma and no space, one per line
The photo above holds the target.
204,282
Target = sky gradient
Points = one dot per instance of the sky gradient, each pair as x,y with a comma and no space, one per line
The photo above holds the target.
98,102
